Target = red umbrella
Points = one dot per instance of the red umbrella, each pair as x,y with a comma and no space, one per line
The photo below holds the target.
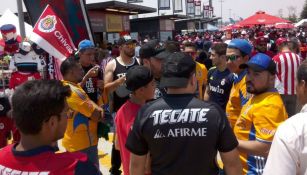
231,27
261,18
284,26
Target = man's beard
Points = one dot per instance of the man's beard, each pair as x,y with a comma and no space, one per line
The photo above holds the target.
251,89
129,54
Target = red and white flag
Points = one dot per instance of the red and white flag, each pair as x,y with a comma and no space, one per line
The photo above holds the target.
51,34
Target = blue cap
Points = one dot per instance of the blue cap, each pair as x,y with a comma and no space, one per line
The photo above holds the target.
8,28
260,62
86,44
241,44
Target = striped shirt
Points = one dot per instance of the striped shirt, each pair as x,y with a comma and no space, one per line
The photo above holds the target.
287,64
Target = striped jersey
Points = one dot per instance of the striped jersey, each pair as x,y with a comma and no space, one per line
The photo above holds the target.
287,64
237,98
258,121
81,131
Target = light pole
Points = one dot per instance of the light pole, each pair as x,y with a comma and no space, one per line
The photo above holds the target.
221,1
21,19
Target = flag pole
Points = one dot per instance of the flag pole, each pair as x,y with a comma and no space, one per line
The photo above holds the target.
21,19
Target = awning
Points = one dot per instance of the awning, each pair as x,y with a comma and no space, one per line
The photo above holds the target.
261,18
171,17
120,7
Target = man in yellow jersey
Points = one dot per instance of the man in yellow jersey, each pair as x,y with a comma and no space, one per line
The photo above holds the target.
201,70
83,115
237,53
260,116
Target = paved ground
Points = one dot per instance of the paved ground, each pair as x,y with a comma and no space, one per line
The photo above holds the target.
104,154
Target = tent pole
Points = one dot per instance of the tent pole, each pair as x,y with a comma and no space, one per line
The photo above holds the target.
21,19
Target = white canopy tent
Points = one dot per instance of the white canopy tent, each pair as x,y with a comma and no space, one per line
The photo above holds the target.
9,17
302,22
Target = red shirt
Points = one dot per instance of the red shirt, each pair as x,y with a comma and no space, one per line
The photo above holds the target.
287,64
43,160
6,126
17,78
124,120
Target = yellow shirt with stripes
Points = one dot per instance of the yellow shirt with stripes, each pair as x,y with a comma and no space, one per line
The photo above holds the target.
201,76
81,131
258,121
237,98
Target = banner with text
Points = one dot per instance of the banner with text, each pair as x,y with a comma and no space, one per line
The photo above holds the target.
51,34
72,13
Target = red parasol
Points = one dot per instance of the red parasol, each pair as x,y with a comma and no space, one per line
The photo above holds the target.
261,18
231,27
284,26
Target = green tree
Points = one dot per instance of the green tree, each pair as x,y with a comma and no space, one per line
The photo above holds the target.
304,11
293,18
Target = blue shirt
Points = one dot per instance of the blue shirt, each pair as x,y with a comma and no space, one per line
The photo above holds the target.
219,84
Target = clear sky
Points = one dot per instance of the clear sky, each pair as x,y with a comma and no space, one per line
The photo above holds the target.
246,8
239,8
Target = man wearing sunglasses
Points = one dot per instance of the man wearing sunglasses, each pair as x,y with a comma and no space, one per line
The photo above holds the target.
237,53
201,70
114,78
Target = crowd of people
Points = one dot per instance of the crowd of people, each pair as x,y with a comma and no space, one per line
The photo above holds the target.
204,103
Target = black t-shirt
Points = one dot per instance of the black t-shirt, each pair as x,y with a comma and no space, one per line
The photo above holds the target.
220,84
182,134
90,86
118,98
159,92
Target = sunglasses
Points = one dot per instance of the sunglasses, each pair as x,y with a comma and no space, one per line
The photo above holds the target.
132,45
232,57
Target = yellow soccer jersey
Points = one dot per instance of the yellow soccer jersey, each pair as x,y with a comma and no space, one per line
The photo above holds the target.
81,131
237,98
258,120
201,76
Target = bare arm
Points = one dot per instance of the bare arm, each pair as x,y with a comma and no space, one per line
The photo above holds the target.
137,164
97,115
109,84
232,163
116,142
254,147
206,95
93,72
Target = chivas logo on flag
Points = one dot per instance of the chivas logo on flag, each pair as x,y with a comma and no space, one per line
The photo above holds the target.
47,24
50,34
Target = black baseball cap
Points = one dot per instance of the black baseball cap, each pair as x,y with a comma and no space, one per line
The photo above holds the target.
137,77
148,51
177,69
163,55
125,40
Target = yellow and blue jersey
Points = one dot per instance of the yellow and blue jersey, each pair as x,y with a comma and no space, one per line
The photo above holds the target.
201,76
237,98
258,121
81,131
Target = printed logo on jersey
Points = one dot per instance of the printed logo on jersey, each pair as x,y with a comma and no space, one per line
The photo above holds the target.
180,116
216,89
47,24
159,134
223,82
1,126
6,170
